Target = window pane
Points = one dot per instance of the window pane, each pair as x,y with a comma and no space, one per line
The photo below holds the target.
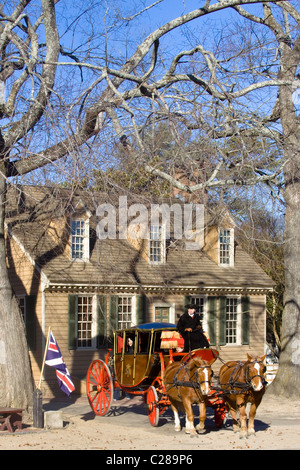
225,246
124,312
199,302
155,244
231,321
77,240
85,321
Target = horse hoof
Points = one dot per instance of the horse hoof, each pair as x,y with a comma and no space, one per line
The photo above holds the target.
243,436
177,428
192,433
201,431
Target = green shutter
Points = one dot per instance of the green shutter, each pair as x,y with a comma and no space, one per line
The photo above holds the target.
245,320
187,301
140,309
222,321
101,320
72,318
212,317
113,314
30,321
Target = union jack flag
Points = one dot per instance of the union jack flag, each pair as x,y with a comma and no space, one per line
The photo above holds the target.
54,359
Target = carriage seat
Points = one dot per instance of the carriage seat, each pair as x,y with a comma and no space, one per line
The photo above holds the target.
171,340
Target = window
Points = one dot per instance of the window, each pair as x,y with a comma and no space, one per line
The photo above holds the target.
27,305
156,244
226,245
79,239
21,301
87,325
125,312
85,322
228,320
233,327
200,302
162,314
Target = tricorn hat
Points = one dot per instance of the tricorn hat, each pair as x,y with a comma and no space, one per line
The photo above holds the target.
194,306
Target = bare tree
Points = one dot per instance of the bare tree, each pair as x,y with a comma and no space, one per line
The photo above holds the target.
242,87
44,118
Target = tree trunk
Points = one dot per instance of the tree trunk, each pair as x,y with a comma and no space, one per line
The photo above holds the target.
287,381
16,388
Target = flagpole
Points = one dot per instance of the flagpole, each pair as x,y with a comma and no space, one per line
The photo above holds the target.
44,359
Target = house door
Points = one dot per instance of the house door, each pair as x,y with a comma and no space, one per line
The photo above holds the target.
162,314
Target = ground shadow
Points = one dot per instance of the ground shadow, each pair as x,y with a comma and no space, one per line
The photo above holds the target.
132,407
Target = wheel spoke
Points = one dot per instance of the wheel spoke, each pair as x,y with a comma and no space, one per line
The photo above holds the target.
153,406
99,387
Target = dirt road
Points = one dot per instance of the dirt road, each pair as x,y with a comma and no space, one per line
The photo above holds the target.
127,428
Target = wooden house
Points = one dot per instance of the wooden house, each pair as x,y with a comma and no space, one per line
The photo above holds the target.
67,275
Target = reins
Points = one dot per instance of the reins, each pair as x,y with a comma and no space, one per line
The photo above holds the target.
195,384
235,375
234,385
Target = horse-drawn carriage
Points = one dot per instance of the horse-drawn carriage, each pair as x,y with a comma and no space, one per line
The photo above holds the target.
141,356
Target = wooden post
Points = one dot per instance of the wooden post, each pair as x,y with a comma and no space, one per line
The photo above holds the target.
44,359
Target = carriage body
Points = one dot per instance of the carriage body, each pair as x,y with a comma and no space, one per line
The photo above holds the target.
138,368
154,346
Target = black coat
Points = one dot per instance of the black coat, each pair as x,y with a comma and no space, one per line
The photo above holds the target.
194,339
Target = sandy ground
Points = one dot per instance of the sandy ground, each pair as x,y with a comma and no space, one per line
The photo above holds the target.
127,428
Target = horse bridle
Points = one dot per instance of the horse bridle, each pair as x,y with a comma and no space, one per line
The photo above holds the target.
193,384
197,374
248,378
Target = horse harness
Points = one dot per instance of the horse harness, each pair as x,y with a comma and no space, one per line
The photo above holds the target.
244,386
195,384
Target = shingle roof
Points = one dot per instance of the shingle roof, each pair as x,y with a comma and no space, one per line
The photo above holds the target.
114,262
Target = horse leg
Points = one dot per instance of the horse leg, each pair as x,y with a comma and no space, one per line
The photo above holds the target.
243,417
233,413
252,414
202,417
189,419
176,418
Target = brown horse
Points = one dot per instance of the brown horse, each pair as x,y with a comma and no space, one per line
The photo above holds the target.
189,382
243,382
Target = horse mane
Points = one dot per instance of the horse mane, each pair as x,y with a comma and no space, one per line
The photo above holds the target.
196,362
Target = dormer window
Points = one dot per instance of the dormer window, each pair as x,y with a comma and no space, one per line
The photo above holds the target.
157,244
80,239
226,247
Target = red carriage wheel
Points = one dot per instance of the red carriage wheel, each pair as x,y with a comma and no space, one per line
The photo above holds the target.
99,386
153,406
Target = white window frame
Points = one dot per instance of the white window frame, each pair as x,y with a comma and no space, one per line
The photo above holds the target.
204,321
231,247
85,241
162,241
94,324
238,341
133,310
